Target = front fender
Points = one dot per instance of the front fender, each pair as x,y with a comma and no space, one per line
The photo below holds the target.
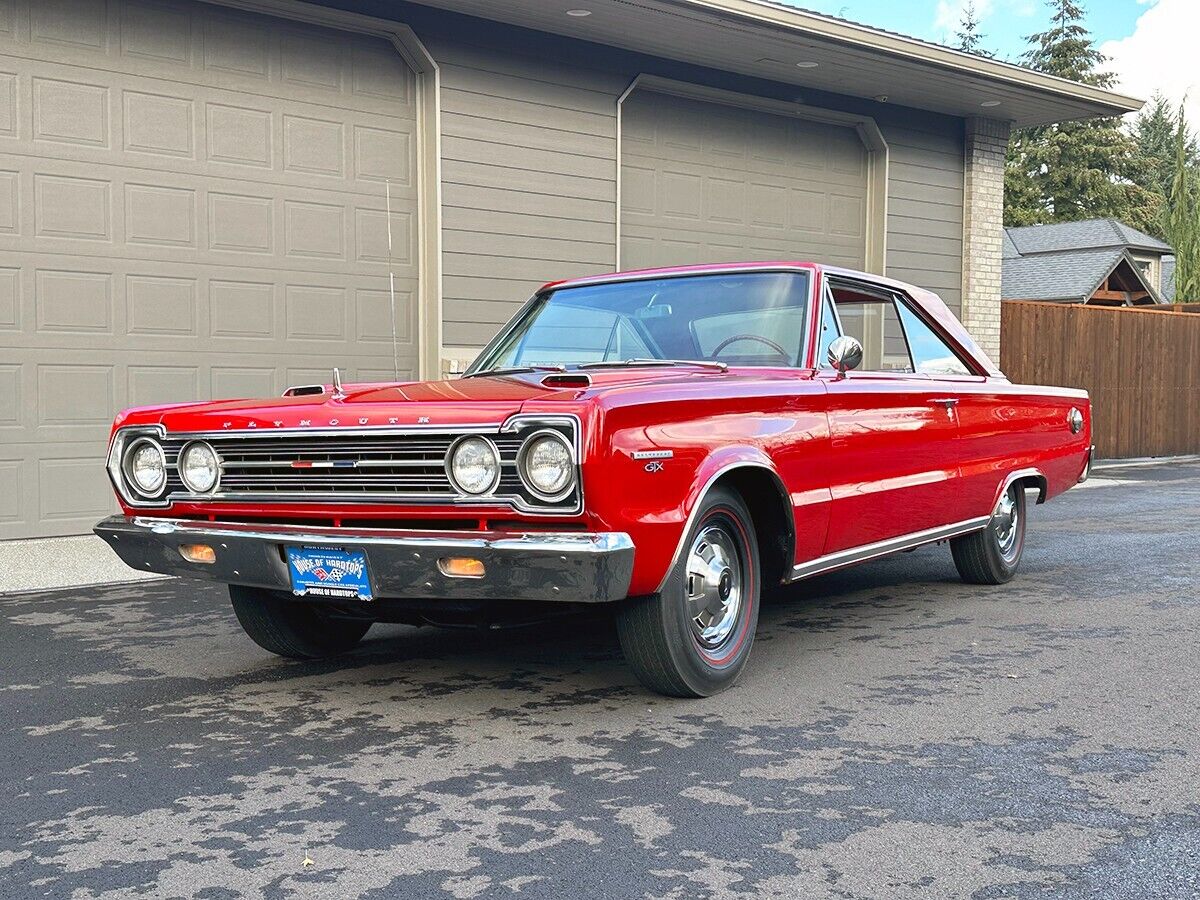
731,462
658,503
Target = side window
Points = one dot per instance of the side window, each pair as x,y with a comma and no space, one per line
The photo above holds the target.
872,318
931,355
831,330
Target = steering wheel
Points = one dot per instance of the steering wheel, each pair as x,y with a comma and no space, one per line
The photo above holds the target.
749,337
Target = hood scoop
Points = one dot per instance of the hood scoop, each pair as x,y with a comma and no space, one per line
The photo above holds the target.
304,390
567,380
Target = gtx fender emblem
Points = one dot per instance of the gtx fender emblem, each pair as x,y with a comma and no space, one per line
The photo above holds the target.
655,466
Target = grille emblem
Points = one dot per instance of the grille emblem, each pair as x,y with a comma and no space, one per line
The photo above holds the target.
324,464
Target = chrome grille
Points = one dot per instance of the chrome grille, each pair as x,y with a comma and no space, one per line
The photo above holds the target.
358,465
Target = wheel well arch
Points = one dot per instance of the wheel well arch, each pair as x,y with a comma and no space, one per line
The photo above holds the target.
770,506
1029,479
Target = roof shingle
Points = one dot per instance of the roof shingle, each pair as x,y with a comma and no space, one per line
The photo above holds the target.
1087,235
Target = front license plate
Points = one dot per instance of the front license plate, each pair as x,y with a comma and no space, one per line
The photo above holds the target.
326,572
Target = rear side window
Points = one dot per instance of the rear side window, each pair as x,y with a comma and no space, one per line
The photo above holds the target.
930,354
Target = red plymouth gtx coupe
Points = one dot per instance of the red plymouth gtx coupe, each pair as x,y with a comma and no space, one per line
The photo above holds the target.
674,442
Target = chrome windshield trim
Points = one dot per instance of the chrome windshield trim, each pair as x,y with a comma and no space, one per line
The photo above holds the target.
618,277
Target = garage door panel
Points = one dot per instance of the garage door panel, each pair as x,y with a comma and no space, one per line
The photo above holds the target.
191,199
707,182
211,134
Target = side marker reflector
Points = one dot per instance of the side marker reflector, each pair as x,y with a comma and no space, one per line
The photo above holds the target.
461,567
198,553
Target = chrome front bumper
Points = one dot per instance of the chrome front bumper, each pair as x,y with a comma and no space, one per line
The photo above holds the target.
567,566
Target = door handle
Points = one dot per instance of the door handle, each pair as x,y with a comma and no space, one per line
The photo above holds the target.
945,401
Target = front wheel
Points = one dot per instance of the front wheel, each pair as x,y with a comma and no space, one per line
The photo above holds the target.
288,626
693,639
991,556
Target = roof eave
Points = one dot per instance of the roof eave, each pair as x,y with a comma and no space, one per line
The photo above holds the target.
1104,102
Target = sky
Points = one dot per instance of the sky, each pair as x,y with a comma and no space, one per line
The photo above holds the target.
1151,44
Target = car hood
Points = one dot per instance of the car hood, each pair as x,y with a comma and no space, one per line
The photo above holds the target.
463,401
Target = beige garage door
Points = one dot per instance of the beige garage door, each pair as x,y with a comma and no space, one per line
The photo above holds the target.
705,182
192,206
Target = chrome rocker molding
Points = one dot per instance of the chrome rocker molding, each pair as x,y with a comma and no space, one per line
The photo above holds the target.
866,552
574,567
882,548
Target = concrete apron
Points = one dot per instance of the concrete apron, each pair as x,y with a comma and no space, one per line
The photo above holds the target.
43,564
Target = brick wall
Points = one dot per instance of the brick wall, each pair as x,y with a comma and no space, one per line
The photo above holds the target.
983,228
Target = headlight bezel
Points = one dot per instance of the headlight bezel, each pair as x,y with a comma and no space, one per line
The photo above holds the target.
128,450
182,469
522,467
497,460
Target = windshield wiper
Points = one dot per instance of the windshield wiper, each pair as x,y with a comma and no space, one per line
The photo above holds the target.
515,370
632,363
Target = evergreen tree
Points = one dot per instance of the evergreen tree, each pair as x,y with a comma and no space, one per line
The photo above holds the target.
1073,170
968,36
1181,218
1154,134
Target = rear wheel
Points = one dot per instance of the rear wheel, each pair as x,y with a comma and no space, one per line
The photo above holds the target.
991,556
288,626
693,639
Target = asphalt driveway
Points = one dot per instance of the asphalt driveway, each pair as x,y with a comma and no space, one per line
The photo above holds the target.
897,734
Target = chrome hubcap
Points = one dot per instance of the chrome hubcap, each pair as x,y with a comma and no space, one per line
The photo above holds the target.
714,586
1004,521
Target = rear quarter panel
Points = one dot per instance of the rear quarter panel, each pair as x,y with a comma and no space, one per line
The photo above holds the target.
1011,427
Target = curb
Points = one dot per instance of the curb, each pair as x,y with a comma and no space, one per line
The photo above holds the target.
1143,462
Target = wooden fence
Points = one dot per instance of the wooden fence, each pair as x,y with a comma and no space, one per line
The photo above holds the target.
1141,368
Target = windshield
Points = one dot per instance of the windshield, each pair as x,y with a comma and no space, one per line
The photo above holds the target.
745,319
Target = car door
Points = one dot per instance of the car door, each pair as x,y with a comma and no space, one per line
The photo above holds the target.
893,430
986,444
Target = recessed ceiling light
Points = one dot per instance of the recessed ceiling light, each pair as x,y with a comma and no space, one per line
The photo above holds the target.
990,103
881,98
579,13
807,64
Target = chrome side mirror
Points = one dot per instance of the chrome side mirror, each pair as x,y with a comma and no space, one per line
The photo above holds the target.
845,353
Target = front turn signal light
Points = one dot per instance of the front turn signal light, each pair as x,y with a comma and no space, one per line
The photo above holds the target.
461,567
198,553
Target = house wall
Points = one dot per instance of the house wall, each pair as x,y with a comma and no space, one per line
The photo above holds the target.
983,231
529,154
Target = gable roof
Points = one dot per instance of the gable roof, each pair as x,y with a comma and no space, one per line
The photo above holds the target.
1064,275
1087,235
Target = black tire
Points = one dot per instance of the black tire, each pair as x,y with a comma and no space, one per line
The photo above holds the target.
990,556
664,643
288,626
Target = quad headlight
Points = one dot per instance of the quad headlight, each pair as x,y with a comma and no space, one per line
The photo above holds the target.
145,467
199,467
473,465
546,464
